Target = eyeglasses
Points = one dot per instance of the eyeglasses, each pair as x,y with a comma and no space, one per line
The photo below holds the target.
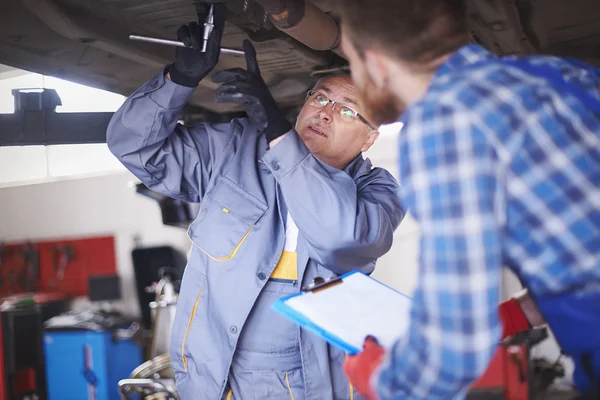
348,114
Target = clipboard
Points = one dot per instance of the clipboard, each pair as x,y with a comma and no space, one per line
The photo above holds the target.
314,308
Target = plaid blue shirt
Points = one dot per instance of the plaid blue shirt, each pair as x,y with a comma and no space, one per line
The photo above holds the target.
500,169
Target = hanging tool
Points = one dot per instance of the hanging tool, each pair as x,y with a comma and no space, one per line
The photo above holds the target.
63,255
28,275
1,262
208,27
22,274
32,261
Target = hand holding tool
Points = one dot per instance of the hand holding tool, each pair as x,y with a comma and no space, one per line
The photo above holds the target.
192,64
209,24
247,87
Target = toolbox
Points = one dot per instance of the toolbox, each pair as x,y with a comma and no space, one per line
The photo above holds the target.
88,363
514,375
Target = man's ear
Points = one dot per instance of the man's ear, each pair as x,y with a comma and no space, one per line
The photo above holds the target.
375,67
372,136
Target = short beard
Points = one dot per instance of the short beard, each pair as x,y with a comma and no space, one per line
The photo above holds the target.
380,105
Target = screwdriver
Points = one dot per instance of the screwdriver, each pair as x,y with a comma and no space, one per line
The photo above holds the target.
209,24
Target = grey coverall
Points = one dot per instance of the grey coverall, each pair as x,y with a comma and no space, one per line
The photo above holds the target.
226,340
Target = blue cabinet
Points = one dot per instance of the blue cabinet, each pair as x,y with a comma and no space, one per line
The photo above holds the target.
87,365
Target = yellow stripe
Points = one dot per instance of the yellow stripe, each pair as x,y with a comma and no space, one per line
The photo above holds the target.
230,395
189,325
287,267
229,257
287,382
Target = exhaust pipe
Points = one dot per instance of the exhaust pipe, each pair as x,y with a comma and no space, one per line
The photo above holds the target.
305,22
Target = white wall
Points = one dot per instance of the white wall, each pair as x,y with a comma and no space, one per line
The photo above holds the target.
105,205
399,267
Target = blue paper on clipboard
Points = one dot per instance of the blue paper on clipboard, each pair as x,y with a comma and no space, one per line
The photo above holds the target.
346,310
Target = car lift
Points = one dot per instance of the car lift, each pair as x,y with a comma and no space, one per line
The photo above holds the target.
36,122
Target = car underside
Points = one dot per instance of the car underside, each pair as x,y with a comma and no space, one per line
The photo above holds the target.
87,41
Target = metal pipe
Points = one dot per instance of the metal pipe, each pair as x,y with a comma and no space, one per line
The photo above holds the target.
177,43
329,70
125,385
158,365
305,22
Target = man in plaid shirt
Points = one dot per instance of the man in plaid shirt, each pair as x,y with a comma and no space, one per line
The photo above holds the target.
500,165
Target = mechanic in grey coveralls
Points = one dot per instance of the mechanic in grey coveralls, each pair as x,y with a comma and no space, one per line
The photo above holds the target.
280,205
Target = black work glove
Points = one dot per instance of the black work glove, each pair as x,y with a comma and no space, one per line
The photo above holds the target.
249,89
191,64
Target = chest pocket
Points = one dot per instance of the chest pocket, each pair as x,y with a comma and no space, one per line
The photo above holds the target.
227,216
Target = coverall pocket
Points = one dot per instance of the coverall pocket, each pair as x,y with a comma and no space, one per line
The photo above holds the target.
227,215
266,384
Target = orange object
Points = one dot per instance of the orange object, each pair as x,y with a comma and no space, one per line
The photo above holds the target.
25,381
513,318
359,368
506,377
507,374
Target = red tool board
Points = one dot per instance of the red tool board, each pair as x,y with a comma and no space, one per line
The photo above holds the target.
78,258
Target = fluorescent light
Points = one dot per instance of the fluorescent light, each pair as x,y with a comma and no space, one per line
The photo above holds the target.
19,165
80,98
74,97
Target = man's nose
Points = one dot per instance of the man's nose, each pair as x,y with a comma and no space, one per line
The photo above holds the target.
326,113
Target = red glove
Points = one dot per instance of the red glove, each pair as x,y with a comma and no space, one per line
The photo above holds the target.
513,318
360,367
